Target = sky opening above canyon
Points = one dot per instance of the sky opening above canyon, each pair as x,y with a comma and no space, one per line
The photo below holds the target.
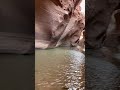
82,5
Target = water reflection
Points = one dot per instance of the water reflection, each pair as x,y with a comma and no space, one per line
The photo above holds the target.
59,69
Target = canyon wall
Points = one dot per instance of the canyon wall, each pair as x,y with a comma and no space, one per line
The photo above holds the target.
98,16
58,23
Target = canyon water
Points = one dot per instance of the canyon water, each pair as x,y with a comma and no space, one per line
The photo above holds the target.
59,69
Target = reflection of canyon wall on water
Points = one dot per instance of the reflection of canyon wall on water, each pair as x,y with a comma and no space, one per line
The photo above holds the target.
58,23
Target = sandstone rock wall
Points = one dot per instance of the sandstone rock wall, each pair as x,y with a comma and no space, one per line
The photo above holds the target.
112,40
58,23
98,15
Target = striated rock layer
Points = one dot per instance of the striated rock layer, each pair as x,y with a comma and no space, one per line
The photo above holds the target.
58,23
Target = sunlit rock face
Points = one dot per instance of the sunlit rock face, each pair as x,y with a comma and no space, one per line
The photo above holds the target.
58,23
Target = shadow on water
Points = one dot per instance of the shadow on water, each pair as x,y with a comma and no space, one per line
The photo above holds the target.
59,69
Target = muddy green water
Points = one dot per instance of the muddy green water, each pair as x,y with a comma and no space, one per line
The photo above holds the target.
59,69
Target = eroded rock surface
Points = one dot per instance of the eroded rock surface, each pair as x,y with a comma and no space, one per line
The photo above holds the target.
112,40
102,42
58,23
98,16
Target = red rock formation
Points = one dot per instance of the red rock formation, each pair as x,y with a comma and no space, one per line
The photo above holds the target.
57,23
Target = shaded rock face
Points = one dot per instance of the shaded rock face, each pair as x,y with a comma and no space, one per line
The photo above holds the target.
57,23
17,26
98,16
113,32
102,39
